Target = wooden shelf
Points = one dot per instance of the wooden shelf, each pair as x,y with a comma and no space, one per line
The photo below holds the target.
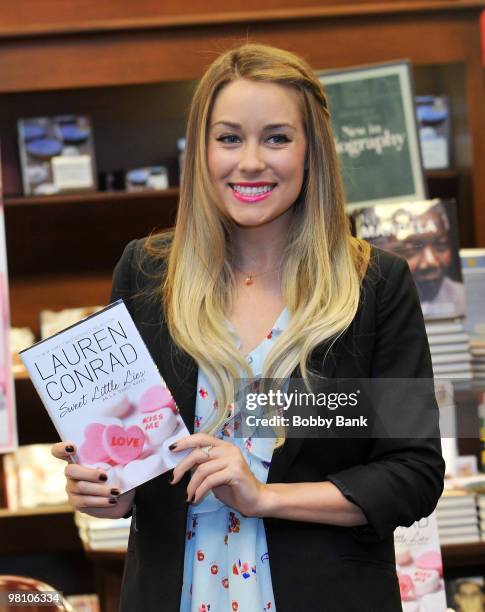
93,197
463,555
5,513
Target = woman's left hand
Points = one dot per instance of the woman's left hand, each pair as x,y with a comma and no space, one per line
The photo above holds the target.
223,469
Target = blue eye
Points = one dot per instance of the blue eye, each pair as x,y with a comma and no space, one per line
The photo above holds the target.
228,138
279,138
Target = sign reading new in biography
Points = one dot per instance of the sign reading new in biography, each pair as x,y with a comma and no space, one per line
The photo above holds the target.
8,421
374,124
103,392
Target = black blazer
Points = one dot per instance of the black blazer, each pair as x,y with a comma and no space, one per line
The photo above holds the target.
314,567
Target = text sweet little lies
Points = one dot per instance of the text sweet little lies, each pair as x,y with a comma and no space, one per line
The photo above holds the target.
93,367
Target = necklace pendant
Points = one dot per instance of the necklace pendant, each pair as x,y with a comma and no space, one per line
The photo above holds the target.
249,280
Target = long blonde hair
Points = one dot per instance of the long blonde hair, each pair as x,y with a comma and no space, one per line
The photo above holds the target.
322,266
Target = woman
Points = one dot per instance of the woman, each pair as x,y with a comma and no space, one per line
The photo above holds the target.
262,277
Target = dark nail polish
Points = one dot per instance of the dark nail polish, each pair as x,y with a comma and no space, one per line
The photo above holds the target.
172,446
115,492
112,500
103,477
69,449
192,499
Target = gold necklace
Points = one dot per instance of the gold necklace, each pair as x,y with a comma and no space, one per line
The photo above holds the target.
249,280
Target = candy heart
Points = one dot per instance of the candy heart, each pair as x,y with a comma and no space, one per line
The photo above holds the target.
430,560
406,587
92,449
123,445
425,581
154,398
159,425
119,409
403,556
141,470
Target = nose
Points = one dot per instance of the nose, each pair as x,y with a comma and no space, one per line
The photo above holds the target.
252,159
428,258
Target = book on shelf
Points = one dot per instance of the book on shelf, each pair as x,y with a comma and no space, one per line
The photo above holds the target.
434,126
473,269
34,478
374,125
420,566
56,154
99,534
425,234
150,178
8,420
54,321
443,328
103,392
466,594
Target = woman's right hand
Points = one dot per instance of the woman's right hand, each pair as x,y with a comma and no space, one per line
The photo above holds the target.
87,489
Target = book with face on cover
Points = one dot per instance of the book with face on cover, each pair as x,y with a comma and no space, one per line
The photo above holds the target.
425,233
102,390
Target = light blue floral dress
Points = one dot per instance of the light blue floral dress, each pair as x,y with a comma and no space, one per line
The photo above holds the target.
227,566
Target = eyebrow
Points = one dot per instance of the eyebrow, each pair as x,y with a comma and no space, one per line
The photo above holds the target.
270,126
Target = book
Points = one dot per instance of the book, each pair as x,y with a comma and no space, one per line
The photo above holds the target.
36,478
473,269
419,566
376,137
103,392
425,234
52,321
56,154
433,114
152,178
8,419
453,326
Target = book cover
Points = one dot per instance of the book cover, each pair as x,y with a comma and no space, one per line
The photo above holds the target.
374,125
103,392
434,124
56,154
8,420
420,567
425,234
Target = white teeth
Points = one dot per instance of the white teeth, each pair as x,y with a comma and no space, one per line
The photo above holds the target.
252,191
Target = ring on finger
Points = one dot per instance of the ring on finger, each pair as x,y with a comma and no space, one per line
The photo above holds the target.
207,450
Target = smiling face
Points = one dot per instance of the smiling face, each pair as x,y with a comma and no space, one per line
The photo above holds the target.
256,151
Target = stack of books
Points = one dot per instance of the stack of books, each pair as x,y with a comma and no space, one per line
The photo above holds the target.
34,478
473,267
481,514
449,344
457,517
103,534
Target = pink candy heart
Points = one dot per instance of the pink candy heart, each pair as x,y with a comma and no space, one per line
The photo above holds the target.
430,560
154,398
406,587
92,450
123,445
